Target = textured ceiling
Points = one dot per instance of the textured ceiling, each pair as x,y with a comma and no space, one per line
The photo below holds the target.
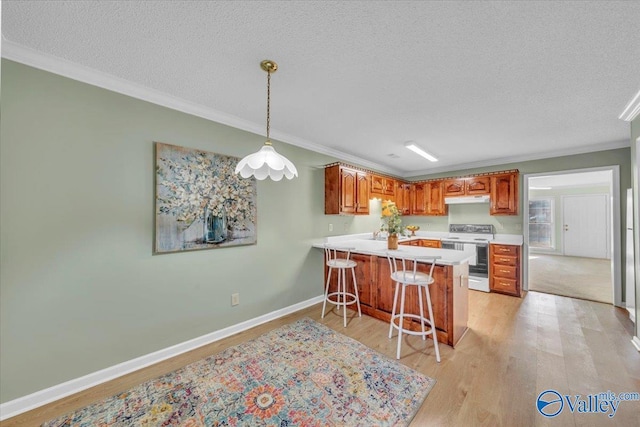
475,83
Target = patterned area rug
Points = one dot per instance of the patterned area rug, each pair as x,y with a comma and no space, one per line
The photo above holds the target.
302,374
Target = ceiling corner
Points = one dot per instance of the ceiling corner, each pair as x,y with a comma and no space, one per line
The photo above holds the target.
632,109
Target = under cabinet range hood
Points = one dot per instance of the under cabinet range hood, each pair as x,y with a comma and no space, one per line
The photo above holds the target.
466,199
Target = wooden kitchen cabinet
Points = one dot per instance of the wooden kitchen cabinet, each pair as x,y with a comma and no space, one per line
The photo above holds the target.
419,198
504,194
454,187
346,191
403,197
449,295
382,186
504,269
425,243
449,299
429,243
467,186
435,199
477,185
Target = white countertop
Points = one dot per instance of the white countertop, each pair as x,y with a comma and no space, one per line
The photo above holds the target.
364,244
507,239
498,239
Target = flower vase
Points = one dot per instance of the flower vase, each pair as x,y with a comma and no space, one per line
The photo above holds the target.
215,225
181,234
392,242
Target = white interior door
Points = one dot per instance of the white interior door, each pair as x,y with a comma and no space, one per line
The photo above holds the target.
585,226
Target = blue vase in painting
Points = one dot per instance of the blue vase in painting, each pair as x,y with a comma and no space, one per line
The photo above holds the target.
215,225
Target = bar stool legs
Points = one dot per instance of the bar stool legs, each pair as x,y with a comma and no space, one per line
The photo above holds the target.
342,297
401,315
404,273
431,322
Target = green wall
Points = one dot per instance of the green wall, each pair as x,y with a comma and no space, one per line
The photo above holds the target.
80,289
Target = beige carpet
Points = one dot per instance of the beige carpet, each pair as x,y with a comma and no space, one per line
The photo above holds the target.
577,277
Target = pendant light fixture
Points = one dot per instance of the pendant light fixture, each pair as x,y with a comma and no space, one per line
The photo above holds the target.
267,162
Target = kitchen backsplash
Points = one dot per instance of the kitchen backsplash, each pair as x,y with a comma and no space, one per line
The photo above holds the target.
458,214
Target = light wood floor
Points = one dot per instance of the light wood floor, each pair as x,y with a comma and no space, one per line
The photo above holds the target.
577,277
515,349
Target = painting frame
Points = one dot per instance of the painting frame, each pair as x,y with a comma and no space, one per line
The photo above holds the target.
200,202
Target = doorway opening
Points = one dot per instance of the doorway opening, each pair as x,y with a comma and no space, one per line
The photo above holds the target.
570,233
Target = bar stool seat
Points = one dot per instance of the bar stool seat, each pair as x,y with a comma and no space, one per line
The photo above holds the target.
404,273
341,298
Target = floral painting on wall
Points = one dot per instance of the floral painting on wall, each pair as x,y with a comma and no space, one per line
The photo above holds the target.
200,202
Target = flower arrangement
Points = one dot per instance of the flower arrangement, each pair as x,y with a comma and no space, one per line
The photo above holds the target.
392,223
197,180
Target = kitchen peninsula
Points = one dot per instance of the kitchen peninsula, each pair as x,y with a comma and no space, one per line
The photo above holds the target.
449,293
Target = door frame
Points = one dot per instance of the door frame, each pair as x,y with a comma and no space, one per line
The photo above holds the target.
614,210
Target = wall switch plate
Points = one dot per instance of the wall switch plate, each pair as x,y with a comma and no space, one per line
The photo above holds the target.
330,227
235,299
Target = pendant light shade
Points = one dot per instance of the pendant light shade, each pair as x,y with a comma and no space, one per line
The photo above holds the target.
267,163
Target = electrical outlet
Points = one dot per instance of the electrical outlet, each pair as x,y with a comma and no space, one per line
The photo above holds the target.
330,227
235,299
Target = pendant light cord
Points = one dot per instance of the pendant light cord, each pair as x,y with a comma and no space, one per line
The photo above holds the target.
268,105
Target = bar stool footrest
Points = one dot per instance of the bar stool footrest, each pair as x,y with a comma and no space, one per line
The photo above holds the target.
353,298
395,325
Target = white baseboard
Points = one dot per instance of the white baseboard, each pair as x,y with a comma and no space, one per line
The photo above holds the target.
632,313
636,342
51,394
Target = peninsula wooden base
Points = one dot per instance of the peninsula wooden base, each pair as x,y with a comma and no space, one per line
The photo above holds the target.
449,295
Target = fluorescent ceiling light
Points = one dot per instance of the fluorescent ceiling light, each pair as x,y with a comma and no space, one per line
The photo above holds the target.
539,188
413,147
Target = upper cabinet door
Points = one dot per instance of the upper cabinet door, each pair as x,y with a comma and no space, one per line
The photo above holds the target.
504,194
362,192
419,198
454,187
348,194
435,198
382,186
477,185
403,197
389,187
377,184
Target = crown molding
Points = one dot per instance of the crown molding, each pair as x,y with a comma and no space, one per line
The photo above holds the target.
632,109
33,58
524,158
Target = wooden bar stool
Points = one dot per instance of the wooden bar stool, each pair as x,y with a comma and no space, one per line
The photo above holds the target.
404,272
342,297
